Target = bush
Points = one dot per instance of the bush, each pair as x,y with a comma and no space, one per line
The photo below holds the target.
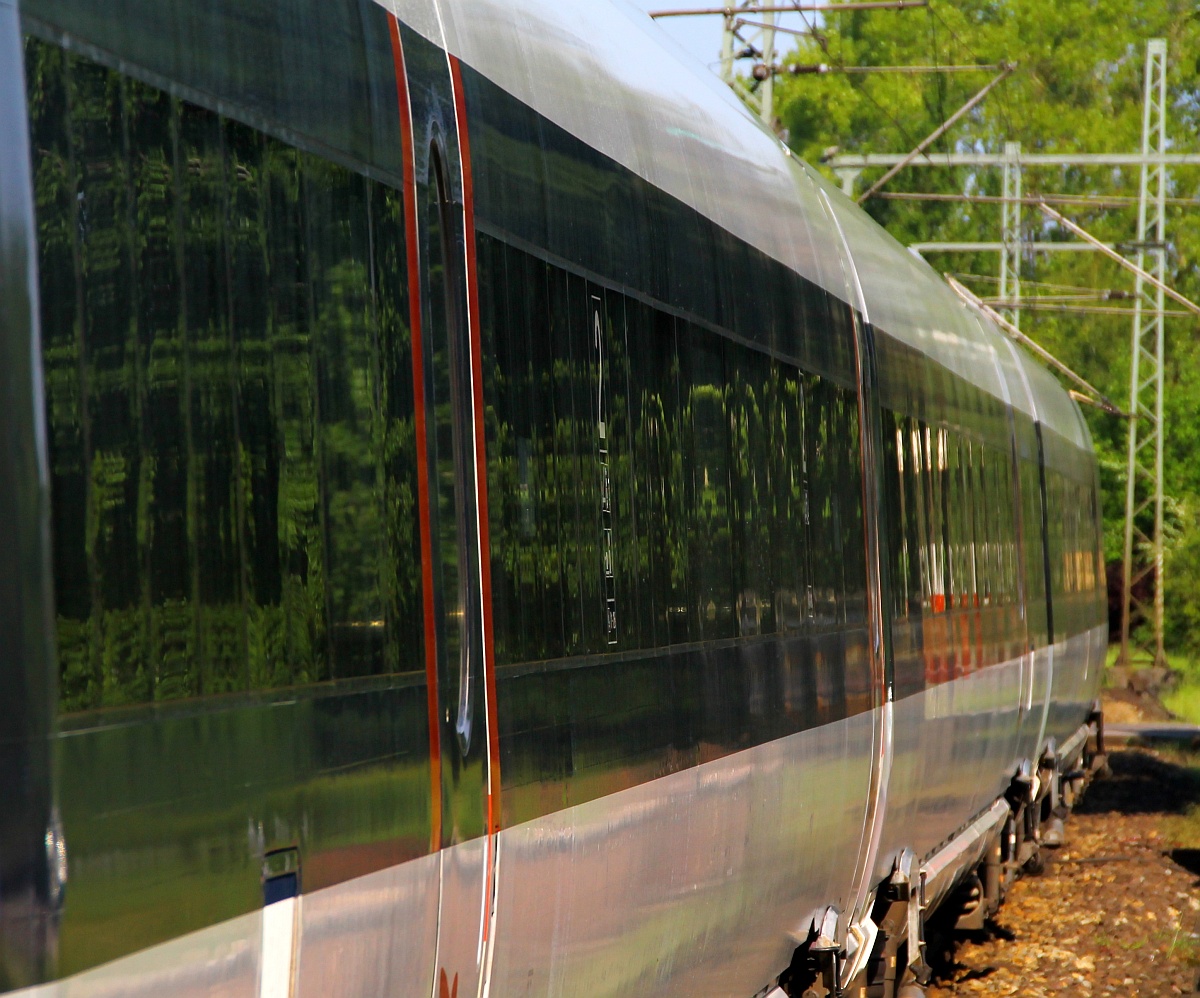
1181,605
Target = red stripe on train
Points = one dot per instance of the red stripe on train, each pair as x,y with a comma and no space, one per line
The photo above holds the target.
418,360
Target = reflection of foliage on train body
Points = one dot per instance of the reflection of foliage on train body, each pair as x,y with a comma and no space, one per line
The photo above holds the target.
228,389
735,478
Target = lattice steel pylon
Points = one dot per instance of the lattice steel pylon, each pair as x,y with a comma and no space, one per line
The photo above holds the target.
761,31
1144,485
1010,238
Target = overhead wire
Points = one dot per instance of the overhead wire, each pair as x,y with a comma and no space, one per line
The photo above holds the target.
940,89
1001,100
839,62
940,83
823,42
1081,298
1050,286
1004,109
1100,201
1033,305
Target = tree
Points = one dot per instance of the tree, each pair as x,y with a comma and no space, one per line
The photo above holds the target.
1078,87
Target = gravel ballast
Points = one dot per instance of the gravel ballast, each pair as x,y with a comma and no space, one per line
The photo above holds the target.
1117,910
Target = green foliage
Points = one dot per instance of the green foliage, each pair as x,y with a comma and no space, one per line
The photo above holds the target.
1077,88
1182,597
1184,702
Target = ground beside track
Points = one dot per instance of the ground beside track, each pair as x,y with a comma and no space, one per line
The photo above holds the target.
1117,910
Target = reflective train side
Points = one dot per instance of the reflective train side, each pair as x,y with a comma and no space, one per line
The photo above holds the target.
513,529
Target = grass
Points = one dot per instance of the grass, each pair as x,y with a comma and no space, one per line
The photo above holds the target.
1184,700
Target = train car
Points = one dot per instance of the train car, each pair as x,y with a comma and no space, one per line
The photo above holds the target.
483,518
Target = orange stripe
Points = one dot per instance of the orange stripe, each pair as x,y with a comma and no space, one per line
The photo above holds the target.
418,360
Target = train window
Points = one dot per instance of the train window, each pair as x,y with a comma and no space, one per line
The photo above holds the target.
1075,579
1058,550
906,443
792,569
999,497
983,528
1006,486
966,521
995,524
503,376
587,310
228,384
538,626
825,534
1002,493
589,468
970,517
561,494
724,468
850,492
675,456
652,406
923,464
935,464
1096,546
893,499
547,496
1033,540
621,474
710,538
750,490
669,449
956,585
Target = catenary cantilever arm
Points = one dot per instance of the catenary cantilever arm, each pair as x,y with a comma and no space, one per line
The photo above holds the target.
941,130
1093,396
1112,254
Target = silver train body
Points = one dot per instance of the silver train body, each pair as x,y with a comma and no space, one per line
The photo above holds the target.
485,519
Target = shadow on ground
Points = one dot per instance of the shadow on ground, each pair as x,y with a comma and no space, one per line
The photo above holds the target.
1102,913
1143,784
1189,859
943,942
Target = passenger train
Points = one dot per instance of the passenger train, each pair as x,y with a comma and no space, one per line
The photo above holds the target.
483,518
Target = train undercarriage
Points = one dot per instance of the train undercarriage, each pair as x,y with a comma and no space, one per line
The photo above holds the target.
957,888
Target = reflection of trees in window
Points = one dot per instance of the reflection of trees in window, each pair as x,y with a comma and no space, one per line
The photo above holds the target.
229,399
789,544
1076,583
711,553
735,479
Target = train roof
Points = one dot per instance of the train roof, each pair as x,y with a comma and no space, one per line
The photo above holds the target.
602,71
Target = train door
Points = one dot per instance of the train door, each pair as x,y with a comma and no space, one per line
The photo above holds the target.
1037,662
1018,641
453,504
1040,568
457,618
458,633
860,929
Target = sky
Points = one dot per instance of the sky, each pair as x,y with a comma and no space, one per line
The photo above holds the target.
702,35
